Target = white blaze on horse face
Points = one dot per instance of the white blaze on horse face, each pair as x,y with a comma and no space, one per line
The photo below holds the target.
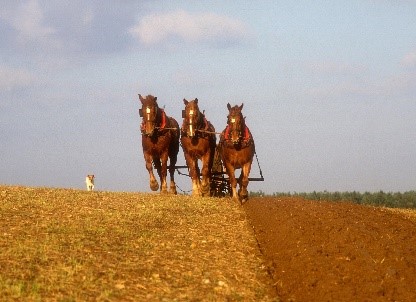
148,113
235,134
191,129
149,123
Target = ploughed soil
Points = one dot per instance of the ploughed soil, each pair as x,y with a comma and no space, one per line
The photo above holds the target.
335,251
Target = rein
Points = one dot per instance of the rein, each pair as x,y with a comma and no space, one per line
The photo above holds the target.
163,121
209,132
164,128
205,124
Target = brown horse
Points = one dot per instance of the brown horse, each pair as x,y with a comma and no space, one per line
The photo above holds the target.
237,150
198,142
160,141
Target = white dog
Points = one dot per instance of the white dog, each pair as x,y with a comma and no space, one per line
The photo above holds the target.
89,180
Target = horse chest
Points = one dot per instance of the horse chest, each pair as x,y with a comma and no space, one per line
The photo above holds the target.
237,157
156,144
196,148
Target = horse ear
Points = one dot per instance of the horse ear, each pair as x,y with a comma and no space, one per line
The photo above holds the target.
185,102
155,98
241,107
141,98
228,106
196,100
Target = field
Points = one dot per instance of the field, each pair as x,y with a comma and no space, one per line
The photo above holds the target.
336,251
71,245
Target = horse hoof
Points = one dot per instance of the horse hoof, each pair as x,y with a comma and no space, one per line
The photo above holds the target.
242,195
243,200
172,189
196,193
205,191
154,186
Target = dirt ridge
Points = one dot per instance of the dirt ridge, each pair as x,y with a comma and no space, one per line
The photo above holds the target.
335,251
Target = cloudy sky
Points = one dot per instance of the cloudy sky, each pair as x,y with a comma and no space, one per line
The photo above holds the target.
328,88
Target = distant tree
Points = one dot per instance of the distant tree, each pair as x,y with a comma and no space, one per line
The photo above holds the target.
381,198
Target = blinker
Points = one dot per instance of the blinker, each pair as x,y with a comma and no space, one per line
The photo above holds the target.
183,113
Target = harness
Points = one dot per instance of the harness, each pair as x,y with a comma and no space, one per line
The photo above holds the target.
246,141
227,130
200,132
163,122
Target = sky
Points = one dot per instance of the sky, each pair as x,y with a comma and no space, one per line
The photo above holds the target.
328,88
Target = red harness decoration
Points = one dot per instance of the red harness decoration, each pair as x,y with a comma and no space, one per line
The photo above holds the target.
163,123
227,132
246,134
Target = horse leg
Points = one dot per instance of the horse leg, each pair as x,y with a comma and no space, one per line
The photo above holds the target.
154,186
163,173
173,157
231,178
243,193
205,185
194,174
172,163
158,166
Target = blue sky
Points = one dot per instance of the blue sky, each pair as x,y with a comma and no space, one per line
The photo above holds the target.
328,88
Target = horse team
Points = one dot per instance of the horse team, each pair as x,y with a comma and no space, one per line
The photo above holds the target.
161,136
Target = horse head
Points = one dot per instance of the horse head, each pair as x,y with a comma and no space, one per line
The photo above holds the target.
236,123
150,114
191,117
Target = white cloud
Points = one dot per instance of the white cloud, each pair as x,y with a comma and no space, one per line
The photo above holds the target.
409,60
28,21
190,28
12,78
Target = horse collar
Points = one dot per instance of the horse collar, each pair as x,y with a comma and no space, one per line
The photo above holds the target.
246,136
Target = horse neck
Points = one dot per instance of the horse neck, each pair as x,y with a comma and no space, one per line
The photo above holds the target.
200,121
243,125
158,121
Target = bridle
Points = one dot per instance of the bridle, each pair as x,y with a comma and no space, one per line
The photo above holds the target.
151,118
192,121
236,124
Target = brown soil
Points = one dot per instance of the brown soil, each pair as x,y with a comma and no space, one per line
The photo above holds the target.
326,251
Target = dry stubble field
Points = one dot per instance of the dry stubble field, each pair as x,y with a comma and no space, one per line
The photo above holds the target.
70,245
